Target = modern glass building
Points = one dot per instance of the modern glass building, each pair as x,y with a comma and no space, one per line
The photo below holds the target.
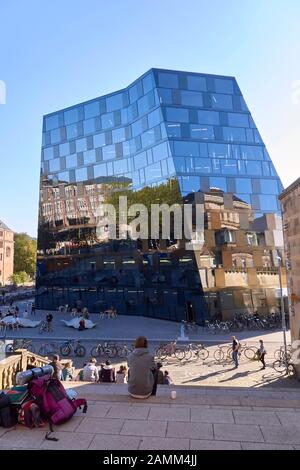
169,137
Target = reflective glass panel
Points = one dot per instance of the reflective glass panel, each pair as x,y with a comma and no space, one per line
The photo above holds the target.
221,101
219,183
243,185
81,145
72,131
191,98
91,110
55,136
81,174
238,120
208,117
64,149
224,85
219,150
54,164
48,153
89,126
71,116
185,148
108,152
268,203
119,135
253,168
168,80
51,122
154,118
173,130
120,166
232,134
269,186
203,165
89,157
165,96
100,170
202,132
114,102
177,114
229,167
252,152
107,120
153,172
71,161
196,83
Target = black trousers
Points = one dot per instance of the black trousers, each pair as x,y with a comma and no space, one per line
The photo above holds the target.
155,376
262,359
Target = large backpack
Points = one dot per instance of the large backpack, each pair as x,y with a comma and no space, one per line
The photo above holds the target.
51,397
8,415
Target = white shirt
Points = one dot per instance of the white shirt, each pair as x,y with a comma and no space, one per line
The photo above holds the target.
90,373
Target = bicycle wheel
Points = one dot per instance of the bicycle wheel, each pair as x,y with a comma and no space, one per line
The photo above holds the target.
278,354
95,351
250,353
111,352
188,354
179,354
279,366
43,351
202,353
65,350
291,369
80,351
31,348
219,355
9,349
161,354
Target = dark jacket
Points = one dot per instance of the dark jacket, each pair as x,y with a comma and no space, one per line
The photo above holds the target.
160,377
140,377
107,374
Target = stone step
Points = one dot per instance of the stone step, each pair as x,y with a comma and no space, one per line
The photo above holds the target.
189,395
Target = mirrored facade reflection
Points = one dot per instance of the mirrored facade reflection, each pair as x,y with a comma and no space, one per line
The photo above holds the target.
170,137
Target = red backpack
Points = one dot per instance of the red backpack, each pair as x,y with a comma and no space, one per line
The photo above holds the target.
55,405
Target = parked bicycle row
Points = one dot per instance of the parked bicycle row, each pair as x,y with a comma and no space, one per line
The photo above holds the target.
240,322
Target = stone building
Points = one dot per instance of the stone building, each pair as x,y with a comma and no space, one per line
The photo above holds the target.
290,201
6,253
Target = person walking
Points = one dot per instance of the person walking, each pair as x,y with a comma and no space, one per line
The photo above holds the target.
261,353
235,351
49,319
57,366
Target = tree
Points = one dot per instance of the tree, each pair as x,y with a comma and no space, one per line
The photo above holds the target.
25,254
20,277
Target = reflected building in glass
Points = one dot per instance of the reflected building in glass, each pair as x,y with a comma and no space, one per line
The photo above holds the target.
170,137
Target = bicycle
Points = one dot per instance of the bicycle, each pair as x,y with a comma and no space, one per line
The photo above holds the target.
198,350
123,351
20,344
225,352
43,327
279,353
72,345
107,349
170,350
284,365
48,349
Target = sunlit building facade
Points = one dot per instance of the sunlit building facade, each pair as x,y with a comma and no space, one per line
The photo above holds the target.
170,137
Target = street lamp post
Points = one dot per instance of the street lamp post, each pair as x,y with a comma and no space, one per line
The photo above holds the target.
283,323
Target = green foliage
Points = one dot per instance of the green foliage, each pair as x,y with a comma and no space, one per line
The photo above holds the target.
25,254
20,277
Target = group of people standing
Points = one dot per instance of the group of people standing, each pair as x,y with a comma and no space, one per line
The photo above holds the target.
261,352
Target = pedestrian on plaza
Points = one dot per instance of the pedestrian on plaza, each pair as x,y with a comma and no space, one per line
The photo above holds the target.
121,375
167,378
261,353
33,310
235,351
160,374
142,375
49,319
90,371
68,371
107,373
57,366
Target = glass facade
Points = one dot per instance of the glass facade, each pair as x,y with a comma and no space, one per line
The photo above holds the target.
170,137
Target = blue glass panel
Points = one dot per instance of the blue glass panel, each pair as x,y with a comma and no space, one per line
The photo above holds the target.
249,135
148,138
196,83
202,132
140,160
173,130
221,101
154,118
232,134
153,172
238,120
71,161
114,102
81,145
91,110
89,126
146,102
266,169
219,183
48,153
148,83
64,177
54,164
99,140
268,203
253,168
190,183
224,86
257,137
179,163
64,149
241,167
229,167
168,80
89,157
243,185
120,166
171,167
55,136
191,98
202,165
216,166
269,186
244,107
208,117
100,170
71,116
177,114
132,112
137,128
251,152
165,96
119,135
108,152
185,148
51,122
107,120
244,197
81,174
126,148
160,152
219,150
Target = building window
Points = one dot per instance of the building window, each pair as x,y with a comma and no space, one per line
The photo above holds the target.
8,251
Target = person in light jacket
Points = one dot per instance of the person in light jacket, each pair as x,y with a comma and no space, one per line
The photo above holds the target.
142,376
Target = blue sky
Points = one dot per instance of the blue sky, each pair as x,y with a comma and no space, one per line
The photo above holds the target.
55,54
